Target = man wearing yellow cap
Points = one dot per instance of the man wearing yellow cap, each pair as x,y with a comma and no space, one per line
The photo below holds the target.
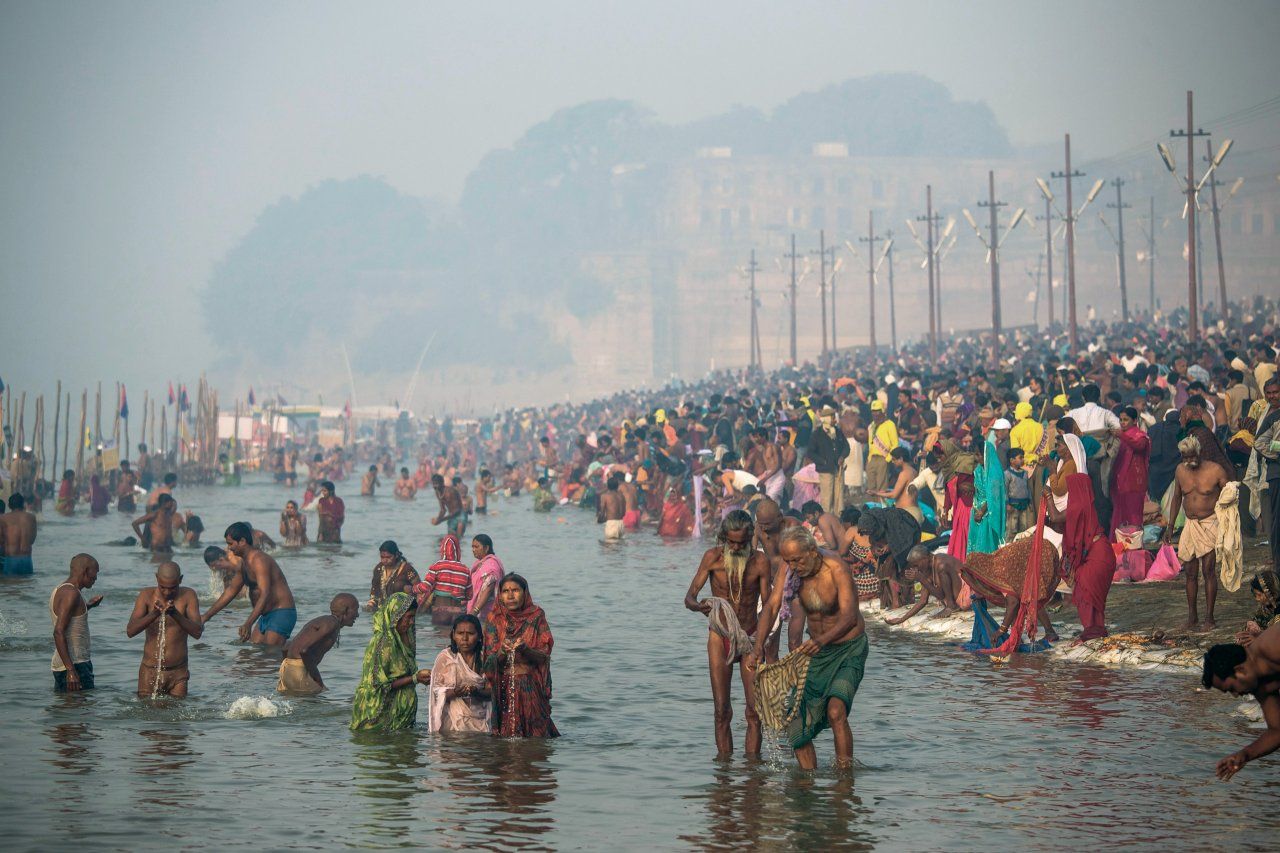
882,439
1029,435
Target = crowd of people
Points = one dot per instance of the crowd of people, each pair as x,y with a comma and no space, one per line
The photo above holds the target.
1005,474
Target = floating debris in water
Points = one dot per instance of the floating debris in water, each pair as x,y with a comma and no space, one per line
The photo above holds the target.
257,708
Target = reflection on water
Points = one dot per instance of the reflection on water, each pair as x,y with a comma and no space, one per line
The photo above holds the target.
952,752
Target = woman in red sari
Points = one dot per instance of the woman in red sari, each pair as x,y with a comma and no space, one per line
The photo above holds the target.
1129,473
1088,562
519,664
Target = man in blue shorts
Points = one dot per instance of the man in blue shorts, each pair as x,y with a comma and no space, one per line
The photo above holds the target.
274,614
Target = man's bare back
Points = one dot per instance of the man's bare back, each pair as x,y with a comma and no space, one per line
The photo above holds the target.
18,528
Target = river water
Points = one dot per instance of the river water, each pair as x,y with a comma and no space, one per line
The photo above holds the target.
953,752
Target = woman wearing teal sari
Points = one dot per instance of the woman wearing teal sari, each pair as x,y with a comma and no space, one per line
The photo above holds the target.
386,698
987,524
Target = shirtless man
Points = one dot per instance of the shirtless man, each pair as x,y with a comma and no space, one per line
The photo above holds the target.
739,576
18,534
610,507
125,501
165,488
900,490
369,482
770,522
405,487
159,523
274,615
765,462
72,666
1197,484
1254,670
485,486
829,604
169,613
939,574
451,512
223,566
299,671
549,460
826,528
631,499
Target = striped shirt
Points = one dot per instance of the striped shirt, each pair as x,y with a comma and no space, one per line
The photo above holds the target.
446,578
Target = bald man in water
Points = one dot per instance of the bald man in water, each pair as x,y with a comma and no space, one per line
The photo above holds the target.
299,671
169,613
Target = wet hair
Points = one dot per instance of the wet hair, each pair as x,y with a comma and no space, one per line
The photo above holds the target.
373,469
328,484
850,515
919,552
437,479
467,619
404,472
213,554
390,547
171,479
68,474
1189,446
166,499
17,501
483,539
614,480
810,507
1221,662
241,531
738,519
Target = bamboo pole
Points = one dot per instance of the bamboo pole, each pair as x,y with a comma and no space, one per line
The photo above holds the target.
84,412
115,426
145,398
37,443
97,417
66,440
164,438
20,438
57,425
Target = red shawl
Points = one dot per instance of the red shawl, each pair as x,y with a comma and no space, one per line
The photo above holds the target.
1029,607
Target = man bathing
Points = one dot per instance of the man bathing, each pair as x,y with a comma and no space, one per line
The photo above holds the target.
1197,484
1254,670
17,534
169,613
451,510
938,574
274,615
610,509
155,529
837,646
739,577
299,671
71,665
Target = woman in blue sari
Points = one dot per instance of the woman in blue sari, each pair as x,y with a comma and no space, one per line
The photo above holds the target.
987,524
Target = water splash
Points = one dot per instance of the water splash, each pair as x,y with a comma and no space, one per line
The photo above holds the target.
11,626
257,708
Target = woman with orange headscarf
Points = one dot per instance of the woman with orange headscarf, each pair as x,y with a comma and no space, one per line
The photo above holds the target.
519,644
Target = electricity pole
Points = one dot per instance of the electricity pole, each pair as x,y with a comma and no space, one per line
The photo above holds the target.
1071,250
1193,302
756,357
1119,207
871,239
793,257
1217,233
822,252
893,318
994,247
1048,253
1151,256
933,319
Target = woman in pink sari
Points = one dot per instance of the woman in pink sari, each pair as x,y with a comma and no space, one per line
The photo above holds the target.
486,573
1129,473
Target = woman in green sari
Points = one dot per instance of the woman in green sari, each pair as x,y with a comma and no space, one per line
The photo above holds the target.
386,698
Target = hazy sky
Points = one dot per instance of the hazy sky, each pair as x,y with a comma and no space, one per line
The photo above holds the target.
141,140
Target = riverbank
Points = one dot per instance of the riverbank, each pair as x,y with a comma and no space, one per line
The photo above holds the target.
1145,621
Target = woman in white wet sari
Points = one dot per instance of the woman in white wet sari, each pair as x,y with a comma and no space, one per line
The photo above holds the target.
460,697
